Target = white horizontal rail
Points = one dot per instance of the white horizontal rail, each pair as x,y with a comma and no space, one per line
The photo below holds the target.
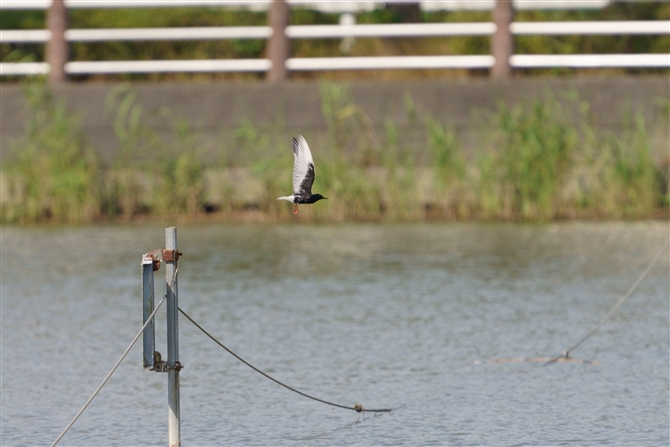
257,65
590,60
99,4
611,27
116,67
325,6
392,62
23,68
25,36
338,31
391,30
346,63
199,33
254,32
169,66
118,34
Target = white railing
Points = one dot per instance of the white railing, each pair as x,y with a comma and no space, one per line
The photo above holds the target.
255,32
590,60
324,6
592,28
343,63
340,31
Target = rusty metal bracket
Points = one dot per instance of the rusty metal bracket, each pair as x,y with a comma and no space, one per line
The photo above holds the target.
156,263
164,367
155,256
162,255
171,255
161,366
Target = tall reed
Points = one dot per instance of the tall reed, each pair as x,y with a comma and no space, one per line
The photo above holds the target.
537,161
53,175
537,151
451,177
123,186
178,173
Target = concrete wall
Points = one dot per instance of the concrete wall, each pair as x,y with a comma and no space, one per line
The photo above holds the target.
213,108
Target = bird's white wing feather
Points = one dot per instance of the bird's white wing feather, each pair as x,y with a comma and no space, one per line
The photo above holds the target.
302,163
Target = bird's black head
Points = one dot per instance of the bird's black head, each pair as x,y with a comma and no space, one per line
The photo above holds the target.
315,198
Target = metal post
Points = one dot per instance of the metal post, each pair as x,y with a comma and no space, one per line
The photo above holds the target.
278,44
174,436
502,42
57,48
149,336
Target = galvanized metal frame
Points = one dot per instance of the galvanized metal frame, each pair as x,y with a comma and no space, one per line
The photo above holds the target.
149,334
152,359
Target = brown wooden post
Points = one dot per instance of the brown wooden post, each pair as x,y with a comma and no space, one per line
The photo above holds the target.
407,12
502,43
57,49
279,46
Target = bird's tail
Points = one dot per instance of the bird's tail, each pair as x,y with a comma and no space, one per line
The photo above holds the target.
287,198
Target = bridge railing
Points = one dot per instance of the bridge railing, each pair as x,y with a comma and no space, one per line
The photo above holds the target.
344,31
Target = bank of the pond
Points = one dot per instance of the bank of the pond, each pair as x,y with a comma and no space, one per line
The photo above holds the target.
541,159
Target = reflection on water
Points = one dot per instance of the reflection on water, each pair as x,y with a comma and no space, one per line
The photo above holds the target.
381,315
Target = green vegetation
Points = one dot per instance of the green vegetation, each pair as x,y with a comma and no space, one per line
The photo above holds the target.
543,167
228,49
55,175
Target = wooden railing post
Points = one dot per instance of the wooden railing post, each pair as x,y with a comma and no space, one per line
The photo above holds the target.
407,12
57,51
279,46
502,42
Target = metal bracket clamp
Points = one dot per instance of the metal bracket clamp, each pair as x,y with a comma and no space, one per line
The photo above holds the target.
161,367
159,364
155,257
171,255
156,263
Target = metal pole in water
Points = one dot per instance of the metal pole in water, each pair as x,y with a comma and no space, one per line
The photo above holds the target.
174,436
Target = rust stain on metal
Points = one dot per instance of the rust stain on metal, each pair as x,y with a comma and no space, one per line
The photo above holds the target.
155,256
156,263
171,255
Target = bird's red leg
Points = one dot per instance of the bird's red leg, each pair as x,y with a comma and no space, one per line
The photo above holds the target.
295,209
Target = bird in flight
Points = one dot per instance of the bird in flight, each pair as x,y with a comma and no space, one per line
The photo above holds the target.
303,175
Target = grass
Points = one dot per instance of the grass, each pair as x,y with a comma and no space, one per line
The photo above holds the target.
536,154
54,175
548,163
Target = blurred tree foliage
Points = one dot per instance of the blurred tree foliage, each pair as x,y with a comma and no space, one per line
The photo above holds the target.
255,48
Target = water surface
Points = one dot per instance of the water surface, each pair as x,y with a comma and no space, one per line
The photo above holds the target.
400,316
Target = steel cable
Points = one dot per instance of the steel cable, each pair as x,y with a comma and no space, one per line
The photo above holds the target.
616,307
358,408
95,393
123,356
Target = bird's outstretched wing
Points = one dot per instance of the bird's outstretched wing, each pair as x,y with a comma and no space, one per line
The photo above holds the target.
303,167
